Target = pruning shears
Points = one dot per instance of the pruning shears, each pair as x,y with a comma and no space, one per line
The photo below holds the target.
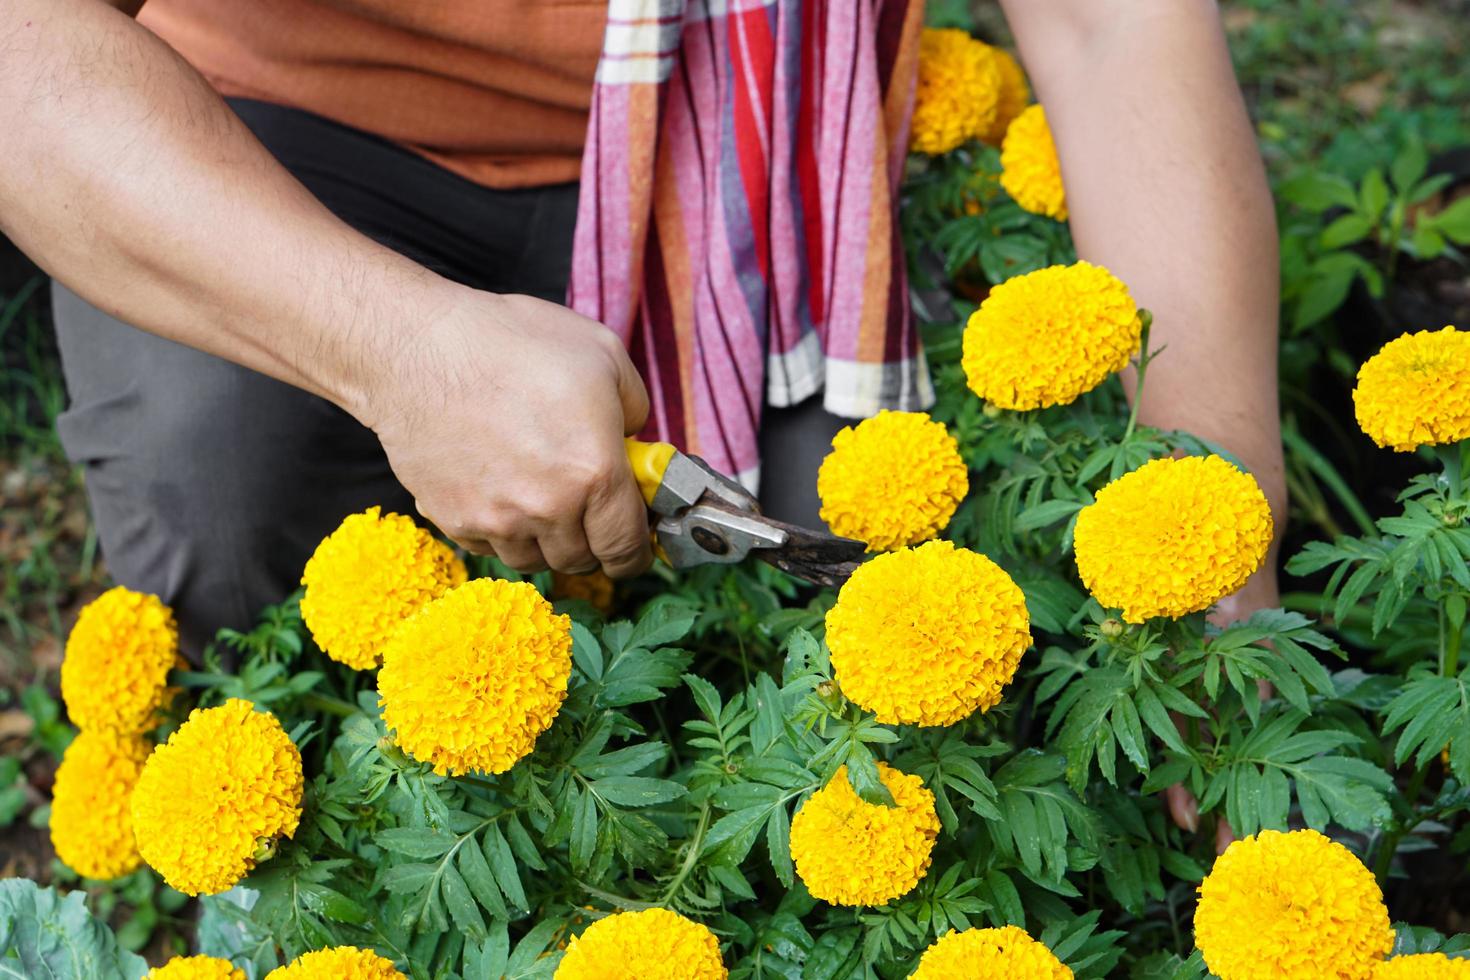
703,517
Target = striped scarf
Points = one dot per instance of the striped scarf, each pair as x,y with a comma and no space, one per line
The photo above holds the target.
736,225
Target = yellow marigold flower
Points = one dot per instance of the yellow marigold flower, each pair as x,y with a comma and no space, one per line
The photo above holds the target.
1047,337
1291,906
928,635
1014,95
851,852
115,674
1416,390
196,968
471,680
593,588
654,944
892,481
223,788
1007,953
91,816
1029,169
1422,966
367,577
958,91
1173,537
337,963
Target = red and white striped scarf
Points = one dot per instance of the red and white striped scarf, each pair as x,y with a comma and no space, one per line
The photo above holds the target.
737,225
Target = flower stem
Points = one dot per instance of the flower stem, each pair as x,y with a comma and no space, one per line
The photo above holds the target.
1456,462
1144,356
1449,663
329,705
1390,845
691,858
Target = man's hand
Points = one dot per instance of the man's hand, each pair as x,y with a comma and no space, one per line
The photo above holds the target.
126,177
505,419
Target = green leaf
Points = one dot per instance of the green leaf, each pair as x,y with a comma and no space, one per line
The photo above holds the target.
1434,713
862,773
1316,192
1427,242
1321,299
408,879
503,867
1409,166
476,872
1022,825
1453,222
662,626
584,831
1047,513
586,652
531,947
829,958
637,791
1005,899
1346,230
415,842
733,835
705,695
488,960
1129,732
625,761
778,843
1373,194
1011,255
738,796
54,936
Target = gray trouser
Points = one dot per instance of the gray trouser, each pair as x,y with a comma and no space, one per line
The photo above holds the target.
211,484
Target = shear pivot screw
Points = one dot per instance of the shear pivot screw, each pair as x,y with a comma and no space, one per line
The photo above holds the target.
709,541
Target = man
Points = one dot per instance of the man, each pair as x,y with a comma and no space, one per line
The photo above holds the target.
426,337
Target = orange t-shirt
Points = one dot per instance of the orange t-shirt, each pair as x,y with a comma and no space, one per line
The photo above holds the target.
494,90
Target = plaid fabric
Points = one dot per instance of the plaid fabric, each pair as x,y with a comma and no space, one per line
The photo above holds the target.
736,225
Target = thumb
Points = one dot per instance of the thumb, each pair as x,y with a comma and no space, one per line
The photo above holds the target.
634,396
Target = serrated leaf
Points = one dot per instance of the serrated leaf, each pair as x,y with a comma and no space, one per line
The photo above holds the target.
415,842
732,836
584,831
503,867
637,791
476,872
778,843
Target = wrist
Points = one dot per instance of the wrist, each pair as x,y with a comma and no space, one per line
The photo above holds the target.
389,329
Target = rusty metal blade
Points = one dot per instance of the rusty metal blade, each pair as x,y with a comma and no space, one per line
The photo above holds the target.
817,557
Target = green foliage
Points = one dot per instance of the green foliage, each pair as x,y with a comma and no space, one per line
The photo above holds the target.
43,934
703,712
1367,228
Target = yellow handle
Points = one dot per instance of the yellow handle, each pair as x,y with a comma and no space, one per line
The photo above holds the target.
649,460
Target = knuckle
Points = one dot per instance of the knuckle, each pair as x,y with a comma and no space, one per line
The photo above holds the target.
498,525
629,559
545,508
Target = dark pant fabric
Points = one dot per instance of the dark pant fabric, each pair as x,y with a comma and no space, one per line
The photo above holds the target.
211,484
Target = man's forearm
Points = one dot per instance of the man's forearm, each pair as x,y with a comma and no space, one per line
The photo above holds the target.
125,176
1166,188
